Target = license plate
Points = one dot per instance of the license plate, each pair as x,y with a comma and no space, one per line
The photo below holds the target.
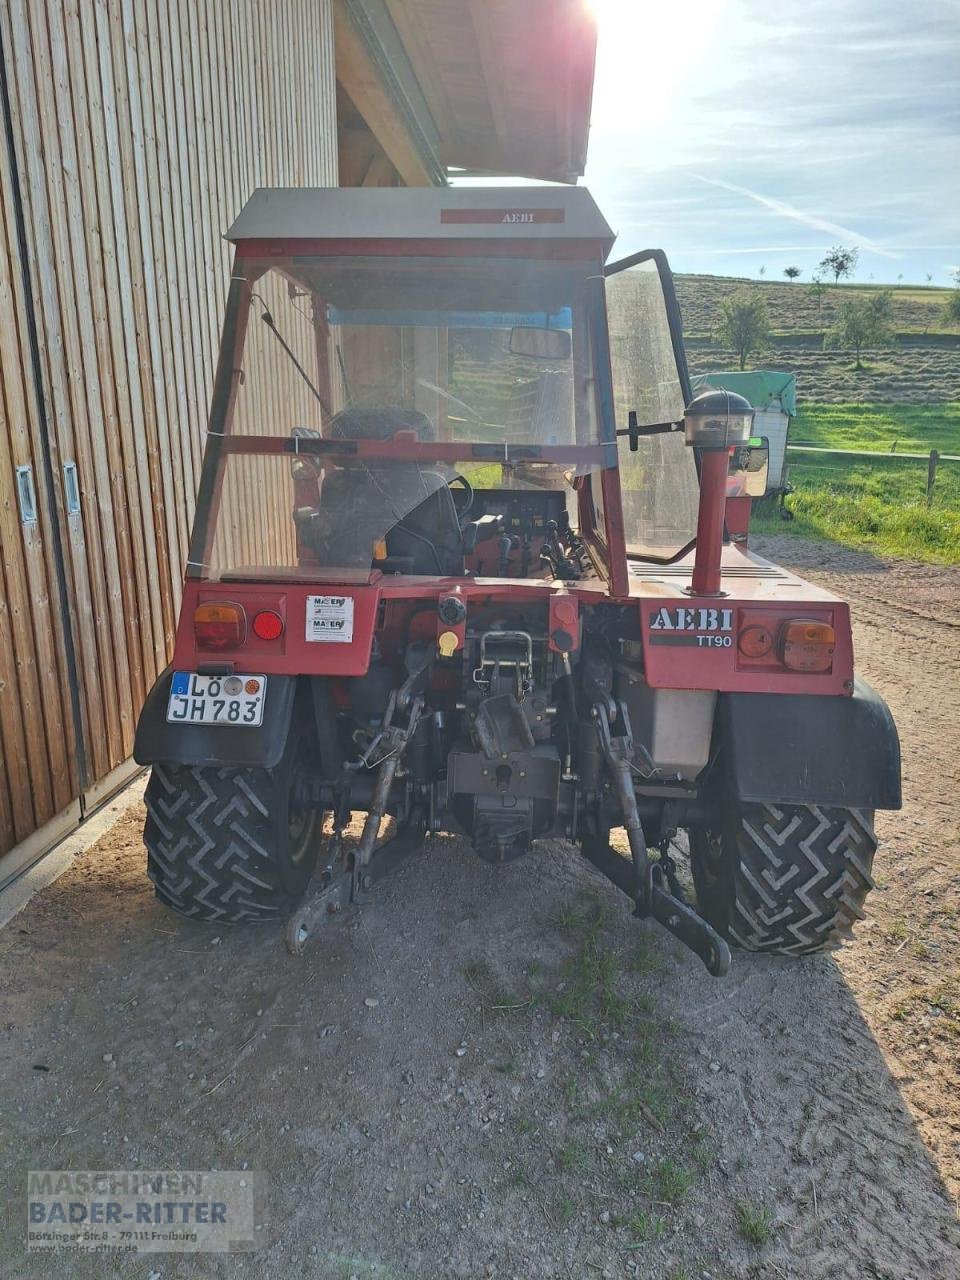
227,700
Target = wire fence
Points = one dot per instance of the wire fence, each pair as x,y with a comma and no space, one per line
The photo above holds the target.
932,459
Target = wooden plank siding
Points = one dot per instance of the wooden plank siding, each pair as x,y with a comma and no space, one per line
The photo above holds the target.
139,129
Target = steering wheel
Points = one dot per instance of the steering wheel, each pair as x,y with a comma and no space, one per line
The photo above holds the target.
466,498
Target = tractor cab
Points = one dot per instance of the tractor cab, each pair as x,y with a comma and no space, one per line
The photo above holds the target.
421,386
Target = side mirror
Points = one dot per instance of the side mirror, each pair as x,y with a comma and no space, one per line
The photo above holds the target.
541,344
749,467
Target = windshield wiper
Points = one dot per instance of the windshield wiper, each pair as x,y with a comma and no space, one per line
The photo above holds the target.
268,320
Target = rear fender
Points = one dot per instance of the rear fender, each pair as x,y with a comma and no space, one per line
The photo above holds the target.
158,742
799,749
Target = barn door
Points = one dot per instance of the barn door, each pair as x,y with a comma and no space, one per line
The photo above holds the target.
41,756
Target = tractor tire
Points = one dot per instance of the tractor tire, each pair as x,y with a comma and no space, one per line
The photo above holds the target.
785,880
227,844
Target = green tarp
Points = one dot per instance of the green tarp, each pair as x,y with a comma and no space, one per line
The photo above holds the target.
760,386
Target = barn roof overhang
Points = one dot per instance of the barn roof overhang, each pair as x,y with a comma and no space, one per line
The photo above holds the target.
474,86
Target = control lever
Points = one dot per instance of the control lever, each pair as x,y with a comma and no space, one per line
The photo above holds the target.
480,530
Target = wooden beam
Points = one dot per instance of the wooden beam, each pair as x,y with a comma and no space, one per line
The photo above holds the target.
361,80
412,31
380,172
497,96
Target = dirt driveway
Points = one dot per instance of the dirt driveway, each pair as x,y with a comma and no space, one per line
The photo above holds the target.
497,1073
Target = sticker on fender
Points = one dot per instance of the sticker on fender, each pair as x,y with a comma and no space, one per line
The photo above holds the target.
698,628
330,619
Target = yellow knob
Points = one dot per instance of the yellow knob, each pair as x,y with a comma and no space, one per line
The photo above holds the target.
448,644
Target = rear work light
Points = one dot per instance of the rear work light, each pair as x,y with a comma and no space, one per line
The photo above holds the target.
267,625
219,626
807,645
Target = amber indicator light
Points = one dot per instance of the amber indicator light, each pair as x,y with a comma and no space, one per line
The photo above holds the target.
807,645
219,626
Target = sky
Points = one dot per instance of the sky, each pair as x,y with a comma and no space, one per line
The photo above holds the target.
740,134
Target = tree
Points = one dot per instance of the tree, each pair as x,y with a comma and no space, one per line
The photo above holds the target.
863,323
791,272
744,324
840,263
818,288
951,312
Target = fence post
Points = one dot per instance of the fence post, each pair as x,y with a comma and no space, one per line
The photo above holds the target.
932,474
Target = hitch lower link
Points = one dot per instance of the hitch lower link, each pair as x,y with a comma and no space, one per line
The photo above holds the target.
349,878
643,880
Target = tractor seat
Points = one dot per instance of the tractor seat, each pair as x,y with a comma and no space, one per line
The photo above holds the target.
378,424
408,505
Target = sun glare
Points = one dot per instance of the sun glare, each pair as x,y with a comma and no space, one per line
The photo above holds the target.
646,52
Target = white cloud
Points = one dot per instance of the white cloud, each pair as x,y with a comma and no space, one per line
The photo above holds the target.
807,219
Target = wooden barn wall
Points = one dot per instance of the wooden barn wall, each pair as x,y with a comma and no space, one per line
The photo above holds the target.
138,128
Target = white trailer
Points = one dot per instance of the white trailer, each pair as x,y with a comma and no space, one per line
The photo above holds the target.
774,397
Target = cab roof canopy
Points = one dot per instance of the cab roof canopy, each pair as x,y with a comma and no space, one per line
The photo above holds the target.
422,213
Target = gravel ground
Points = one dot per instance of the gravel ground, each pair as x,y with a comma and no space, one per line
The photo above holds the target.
497,1073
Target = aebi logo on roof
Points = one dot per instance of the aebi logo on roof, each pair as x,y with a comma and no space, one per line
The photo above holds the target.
525,216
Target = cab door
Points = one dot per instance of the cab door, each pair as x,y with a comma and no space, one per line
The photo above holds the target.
651,386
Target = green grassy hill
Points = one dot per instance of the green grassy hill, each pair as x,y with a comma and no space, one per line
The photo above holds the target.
880,501
906,400
794,309
923,368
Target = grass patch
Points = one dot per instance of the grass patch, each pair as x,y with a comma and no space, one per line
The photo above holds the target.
874,503
907,428
644,1227
625,1146
592,989
643,1101
754,1222
668,1182
574,1156
564,1208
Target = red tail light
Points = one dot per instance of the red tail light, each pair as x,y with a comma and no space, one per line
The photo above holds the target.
267,625
219,626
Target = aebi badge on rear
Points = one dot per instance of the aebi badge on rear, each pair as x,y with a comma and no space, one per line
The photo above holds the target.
227,700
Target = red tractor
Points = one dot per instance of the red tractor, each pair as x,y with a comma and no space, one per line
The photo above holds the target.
461,557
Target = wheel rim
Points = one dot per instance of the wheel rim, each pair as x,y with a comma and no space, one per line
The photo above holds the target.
706,849
301,822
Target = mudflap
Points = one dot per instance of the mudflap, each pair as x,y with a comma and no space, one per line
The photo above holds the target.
786,748
158,742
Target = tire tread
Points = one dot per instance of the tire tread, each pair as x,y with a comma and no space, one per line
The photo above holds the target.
208,834
801,877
